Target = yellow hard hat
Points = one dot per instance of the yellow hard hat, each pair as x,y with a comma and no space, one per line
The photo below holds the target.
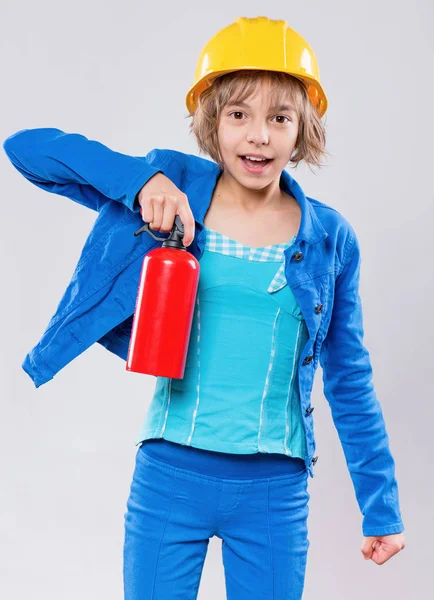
258,43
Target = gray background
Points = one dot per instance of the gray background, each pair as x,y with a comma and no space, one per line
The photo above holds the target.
118,72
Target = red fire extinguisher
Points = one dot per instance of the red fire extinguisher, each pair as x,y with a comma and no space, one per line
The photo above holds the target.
164,307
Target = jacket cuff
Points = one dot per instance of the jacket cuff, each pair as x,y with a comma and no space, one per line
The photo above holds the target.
379,531
131,198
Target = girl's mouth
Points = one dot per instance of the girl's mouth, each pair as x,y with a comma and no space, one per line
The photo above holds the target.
255,166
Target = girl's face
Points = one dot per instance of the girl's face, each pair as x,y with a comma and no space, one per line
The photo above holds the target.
257,127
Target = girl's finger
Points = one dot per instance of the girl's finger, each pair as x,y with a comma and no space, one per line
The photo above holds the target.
147,208
158,203
169,214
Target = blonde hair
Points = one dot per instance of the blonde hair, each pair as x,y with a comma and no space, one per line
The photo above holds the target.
239,85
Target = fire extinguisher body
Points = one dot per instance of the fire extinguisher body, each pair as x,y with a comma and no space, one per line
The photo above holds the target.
164,313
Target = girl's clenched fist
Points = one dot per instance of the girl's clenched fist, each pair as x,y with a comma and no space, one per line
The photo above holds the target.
160,201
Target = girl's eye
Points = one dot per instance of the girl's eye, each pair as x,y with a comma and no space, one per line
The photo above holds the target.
238,112
283,116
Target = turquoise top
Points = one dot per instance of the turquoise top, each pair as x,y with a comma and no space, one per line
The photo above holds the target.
239,393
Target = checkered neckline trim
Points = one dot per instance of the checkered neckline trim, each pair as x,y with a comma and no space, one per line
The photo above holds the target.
218,242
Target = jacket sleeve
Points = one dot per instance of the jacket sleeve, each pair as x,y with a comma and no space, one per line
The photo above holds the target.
83,170
356,411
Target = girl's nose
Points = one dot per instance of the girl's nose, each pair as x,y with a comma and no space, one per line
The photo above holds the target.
258,135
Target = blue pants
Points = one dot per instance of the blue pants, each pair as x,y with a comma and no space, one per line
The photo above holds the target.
181,496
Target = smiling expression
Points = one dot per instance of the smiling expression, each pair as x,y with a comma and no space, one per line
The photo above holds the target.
257,126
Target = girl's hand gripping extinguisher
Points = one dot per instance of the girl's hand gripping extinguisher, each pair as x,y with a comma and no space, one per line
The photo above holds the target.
164,307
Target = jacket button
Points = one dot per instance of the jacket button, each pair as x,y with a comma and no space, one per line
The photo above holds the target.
308,359
310,410
318,308
314,460
298,256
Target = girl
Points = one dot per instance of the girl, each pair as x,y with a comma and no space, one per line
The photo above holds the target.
227,450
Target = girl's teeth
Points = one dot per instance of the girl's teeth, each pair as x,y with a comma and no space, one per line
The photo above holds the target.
255,161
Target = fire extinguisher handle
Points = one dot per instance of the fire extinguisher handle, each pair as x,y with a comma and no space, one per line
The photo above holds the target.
176,226
146,228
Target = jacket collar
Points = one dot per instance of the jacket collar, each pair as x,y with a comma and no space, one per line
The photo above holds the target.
200,191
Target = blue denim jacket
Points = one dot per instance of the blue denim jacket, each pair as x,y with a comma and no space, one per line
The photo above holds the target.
322,269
